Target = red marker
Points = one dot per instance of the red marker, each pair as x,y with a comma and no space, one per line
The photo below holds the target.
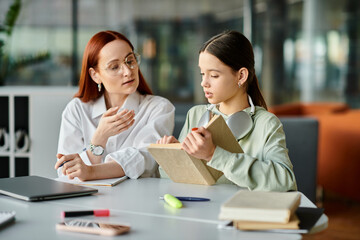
97,213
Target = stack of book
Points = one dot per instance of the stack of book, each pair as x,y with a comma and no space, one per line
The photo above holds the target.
254,210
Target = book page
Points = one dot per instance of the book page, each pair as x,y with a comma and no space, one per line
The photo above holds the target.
101,182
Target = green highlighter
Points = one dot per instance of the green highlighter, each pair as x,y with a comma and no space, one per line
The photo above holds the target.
172,201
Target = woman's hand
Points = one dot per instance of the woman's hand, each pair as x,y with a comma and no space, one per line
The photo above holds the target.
111,124
74,167
167,139
198,143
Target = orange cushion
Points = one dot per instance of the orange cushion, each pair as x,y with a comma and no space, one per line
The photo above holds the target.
308,109
339,153
339,144
323,108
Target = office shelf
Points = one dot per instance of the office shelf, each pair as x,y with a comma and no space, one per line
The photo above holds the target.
34,112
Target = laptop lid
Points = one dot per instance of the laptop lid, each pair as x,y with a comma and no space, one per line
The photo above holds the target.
35,188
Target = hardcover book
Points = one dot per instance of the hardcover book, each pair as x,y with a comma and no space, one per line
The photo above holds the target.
272,207
183,168
253,225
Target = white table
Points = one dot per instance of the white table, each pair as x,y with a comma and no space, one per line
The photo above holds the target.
136,202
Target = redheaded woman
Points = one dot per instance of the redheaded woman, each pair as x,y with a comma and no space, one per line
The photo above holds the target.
106,128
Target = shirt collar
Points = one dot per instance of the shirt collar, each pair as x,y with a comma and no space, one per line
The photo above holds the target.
132,102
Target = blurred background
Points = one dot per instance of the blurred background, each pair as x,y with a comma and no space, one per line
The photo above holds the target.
307,60
305,50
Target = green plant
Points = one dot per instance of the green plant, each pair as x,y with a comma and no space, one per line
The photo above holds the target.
8,63
5,33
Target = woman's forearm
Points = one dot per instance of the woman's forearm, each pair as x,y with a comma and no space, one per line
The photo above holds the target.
106,170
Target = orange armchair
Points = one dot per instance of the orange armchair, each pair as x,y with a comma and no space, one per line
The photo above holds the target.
338,144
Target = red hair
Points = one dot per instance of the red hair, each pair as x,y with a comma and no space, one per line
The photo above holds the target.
87,87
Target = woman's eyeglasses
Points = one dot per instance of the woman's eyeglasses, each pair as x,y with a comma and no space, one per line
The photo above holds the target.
131,61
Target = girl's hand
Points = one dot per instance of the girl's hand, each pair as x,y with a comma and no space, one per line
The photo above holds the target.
112,123
167,139
198,143
74,167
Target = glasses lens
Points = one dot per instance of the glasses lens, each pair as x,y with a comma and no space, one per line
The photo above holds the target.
114,68
132,60
138,58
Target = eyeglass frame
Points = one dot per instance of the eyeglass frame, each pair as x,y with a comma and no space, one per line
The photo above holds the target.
125,62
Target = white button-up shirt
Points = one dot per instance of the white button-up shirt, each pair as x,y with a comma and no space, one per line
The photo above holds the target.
154,118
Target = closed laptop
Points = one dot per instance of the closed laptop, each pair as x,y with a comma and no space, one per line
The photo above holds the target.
35,188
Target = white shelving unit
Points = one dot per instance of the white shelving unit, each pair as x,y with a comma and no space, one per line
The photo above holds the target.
37,111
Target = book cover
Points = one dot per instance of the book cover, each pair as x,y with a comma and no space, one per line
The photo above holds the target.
260,206
253,225
183,168
308,217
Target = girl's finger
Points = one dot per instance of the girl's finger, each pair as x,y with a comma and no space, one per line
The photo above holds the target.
185,146
204,132
163,140
198,137
191,138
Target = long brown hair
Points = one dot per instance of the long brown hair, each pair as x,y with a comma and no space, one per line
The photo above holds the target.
235,50
87,87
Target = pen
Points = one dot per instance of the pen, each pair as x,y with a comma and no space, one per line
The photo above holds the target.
68,161
191,199
97,213
62,164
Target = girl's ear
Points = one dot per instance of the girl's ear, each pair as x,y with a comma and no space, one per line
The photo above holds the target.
243,74
94,75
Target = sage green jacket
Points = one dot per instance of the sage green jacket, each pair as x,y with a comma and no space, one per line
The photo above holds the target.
265,163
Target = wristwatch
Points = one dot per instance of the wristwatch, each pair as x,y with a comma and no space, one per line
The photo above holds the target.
97,150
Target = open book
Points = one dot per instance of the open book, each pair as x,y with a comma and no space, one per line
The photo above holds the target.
101,182
271,207
183,168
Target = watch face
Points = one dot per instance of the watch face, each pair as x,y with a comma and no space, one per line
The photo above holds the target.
98,150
